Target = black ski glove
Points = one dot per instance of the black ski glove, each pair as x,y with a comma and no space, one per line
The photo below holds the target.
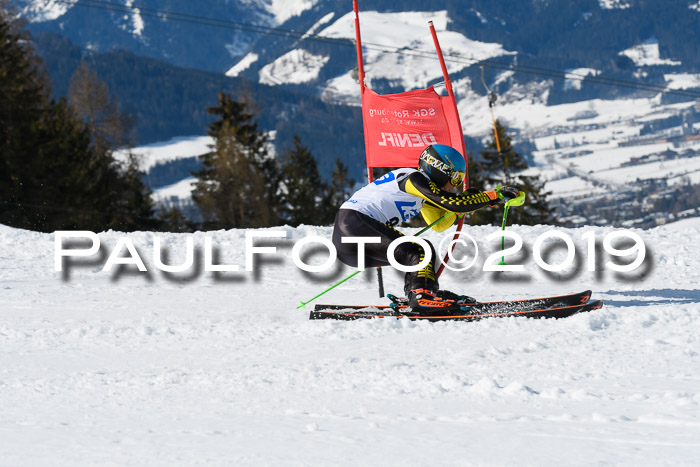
508,192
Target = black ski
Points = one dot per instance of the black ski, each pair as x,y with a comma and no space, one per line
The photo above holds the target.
468,313
541,302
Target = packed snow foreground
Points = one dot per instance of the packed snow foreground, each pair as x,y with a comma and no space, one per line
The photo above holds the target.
213,367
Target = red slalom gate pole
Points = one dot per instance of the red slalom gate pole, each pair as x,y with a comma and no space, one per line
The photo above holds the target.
450,92
361,77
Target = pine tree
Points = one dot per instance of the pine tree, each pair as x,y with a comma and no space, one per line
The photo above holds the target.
505,167
474,174
237,184
302,188
173,220
52,176
134,208
305,197
22,100
338,190
70,185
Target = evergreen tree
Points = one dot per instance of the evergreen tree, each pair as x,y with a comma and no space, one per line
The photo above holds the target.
52,177
474,174
68,184
306,198
134,208
173,220
302,189
22,98
505,167
237,184
338,190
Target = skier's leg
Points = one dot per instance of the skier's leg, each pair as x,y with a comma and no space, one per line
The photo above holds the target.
351,223
423,279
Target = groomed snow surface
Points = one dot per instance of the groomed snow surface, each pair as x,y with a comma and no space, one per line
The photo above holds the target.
130,368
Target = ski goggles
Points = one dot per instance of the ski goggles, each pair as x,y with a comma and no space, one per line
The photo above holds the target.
457,178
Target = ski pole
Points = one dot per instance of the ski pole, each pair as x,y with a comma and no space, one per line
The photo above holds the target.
511,202
304,303
503,228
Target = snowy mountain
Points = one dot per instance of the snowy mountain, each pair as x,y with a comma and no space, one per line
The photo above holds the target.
240,35
568,38
146,29
637,141
578,84
151,368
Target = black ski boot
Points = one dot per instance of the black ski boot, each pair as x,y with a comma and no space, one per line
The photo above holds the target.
423,291
424,301
445,295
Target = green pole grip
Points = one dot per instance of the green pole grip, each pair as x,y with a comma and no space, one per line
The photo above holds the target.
518,201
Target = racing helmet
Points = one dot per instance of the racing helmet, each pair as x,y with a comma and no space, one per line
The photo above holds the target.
443,164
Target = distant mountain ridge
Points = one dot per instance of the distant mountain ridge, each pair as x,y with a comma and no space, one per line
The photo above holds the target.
102,26
547,51
605,38
578,83
558,34
539,50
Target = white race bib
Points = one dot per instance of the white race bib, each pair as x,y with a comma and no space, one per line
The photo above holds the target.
384,201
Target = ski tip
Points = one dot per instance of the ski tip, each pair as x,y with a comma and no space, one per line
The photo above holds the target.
585,296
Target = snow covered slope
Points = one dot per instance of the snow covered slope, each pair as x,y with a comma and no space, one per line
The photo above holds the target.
390,32
387,33
221,369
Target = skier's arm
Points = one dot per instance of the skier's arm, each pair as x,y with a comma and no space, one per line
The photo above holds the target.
431,213
418,185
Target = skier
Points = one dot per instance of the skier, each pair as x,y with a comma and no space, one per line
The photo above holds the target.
433,189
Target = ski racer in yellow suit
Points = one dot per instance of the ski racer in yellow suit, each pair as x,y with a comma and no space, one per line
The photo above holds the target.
433,189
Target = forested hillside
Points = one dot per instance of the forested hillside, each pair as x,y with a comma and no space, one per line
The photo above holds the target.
170,101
